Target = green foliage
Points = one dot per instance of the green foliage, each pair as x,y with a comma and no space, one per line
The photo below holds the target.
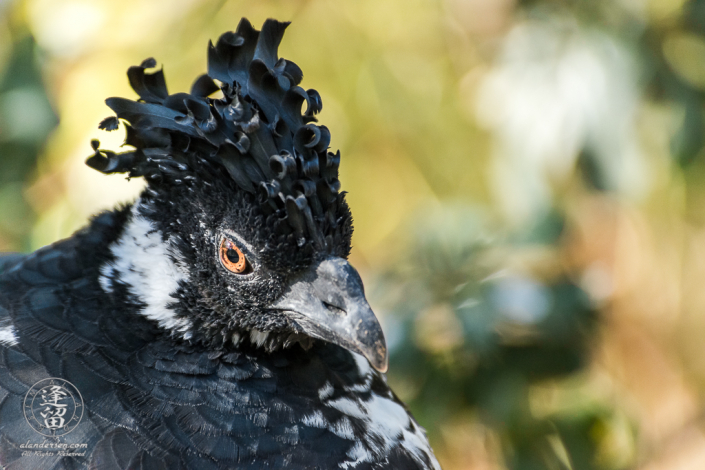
467,336
26,119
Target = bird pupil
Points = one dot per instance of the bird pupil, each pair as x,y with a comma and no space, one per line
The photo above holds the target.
232,255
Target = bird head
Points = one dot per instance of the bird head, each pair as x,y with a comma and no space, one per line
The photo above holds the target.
242,233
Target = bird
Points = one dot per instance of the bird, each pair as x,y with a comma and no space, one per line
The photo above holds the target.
215,322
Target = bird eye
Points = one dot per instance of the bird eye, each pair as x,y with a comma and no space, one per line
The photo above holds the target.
232,258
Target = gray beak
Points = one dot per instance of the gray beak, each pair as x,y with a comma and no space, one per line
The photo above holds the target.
328,302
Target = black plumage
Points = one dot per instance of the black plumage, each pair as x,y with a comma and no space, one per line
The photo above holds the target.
215,323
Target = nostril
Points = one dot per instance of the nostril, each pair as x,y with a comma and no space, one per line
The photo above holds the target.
335,310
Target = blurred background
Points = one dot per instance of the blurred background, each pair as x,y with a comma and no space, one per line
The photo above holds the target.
527,179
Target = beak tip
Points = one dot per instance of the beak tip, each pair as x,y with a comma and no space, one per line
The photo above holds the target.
379,360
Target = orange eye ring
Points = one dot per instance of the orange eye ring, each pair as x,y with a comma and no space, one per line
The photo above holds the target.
232,258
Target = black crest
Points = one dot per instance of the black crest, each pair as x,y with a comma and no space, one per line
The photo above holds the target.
256,136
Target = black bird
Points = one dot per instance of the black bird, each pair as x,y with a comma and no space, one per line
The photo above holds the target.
214,323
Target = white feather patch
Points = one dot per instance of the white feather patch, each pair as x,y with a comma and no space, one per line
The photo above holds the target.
258,337
343,428
349,406
325,391
147,265
315,420
363,365
8,334
359,454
